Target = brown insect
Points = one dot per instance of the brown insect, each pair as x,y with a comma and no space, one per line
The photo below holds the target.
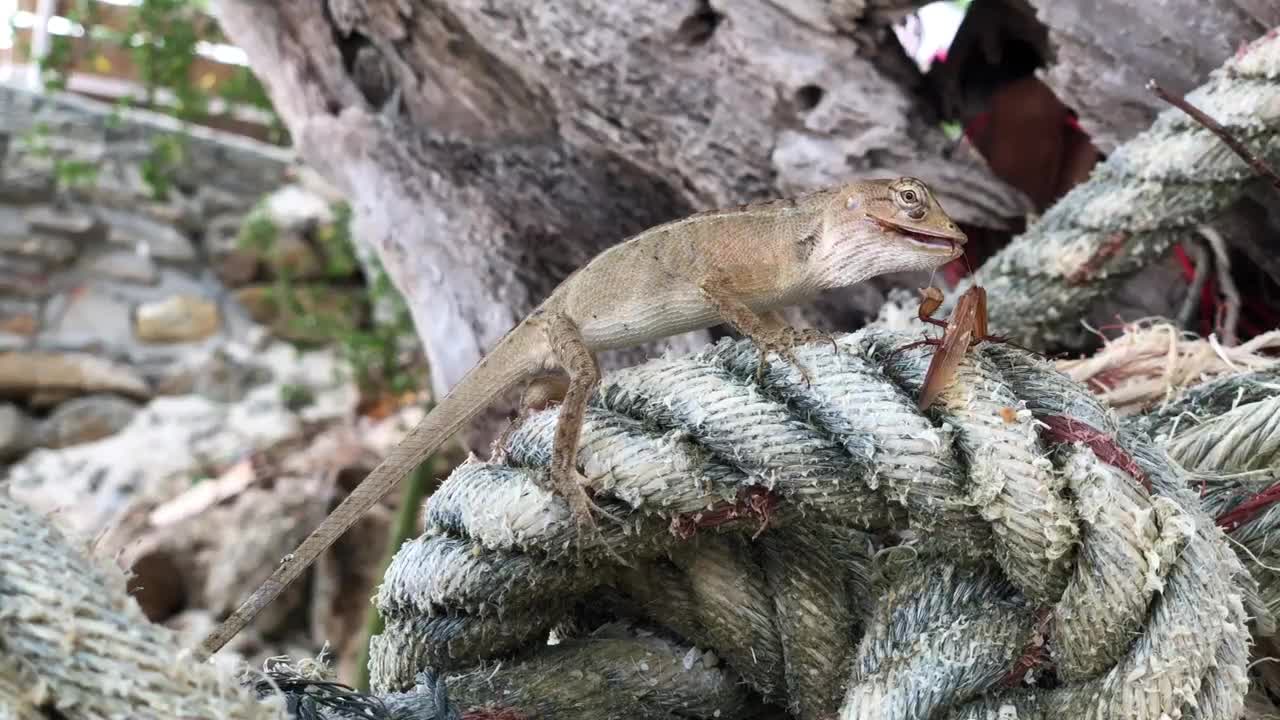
966,327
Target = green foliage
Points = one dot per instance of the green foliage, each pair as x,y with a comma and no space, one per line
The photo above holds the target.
55,66
310,313
296,397
68,172
74,173
161,38
36,141
373,351
257,233
168,153
336,244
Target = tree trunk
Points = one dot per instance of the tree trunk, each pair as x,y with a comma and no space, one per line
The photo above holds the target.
1105,51
491,148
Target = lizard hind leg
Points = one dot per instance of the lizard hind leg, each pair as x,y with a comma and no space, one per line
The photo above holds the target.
541,392
584,374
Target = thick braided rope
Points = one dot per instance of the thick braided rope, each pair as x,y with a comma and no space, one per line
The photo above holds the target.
1227,434
1020,529
74,644
1148,195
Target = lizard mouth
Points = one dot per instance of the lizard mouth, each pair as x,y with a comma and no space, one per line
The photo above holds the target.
921,238
930,241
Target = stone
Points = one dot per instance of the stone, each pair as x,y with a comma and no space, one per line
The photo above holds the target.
233,264
24,188
293,208
123,265
85,419
159,240
23,277
26,372
9,342
87,316
342,310
236,268
172,441
23,324
41,400
213,201
118,185
19,317
17,432
180,318
64,222
216,375
293,257
48,249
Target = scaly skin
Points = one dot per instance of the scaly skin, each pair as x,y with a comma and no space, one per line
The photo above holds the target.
737,266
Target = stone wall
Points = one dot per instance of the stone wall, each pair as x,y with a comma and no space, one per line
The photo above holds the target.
107,290
153,394
112,294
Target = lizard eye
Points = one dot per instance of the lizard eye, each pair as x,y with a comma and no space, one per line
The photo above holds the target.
911,198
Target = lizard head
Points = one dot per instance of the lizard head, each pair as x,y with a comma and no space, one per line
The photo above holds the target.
882,226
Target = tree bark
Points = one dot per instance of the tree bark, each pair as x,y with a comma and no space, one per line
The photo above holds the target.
490,148
1105,51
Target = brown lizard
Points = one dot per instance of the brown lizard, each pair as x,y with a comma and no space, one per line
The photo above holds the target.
737,266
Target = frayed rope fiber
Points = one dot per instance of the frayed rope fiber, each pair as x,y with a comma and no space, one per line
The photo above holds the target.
829,549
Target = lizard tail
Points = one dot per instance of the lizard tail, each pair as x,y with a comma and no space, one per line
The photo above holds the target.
510,363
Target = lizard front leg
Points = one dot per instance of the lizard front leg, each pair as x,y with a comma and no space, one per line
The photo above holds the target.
768,331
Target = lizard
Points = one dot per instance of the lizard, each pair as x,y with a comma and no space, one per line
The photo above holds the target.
738,266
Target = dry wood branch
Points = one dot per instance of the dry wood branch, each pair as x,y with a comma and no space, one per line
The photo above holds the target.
1259,166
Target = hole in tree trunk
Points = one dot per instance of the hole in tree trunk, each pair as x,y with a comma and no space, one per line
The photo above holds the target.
808,97
698,28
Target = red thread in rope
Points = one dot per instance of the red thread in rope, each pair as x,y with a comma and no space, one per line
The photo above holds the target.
1113,244
1034,655
1065,429
1208,293
1256,316
1247,510
753,501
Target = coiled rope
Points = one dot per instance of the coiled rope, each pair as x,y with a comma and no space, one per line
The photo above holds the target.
74,644
826,548
1023,506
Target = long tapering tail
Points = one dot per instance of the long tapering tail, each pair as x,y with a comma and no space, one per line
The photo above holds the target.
511,362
